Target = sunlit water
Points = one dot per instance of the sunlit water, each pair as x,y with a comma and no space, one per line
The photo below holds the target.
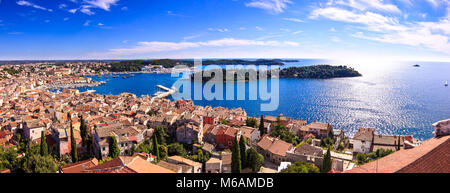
395,98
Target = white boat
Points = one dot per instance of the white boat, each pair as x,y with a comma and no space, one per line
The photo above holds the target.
446,83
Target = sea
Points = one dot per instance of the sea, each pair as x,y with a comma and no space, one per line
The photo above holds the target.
393,97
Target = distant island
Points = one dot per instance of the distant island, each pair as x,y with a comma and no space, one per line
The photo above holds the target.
305,72
319,72
137,65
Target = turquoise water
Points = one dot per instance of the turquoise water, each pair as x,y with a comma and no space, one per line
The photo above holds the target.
395,98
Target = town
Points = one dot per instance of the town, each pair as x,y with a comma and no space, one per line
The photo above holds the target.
83,132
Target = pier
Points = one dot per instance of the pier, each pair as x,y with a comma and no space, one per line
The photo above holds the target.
169,92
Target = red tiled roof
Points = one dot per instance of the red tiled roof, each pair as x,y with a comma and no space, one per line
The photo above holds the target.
432,156
79,166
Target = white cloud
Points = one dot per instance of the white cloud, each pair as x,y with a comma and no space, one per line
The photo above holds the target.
218,29
102,4
87,23
156,46
431,35
62,6
100,24
297,32
373,21
88,5
294,20
434,3
73,10
87,10
273,6
259,28
30,4
192,37
367,5
66,18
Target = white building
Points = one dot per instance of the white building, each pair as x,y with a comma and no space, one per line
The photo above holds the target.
363,139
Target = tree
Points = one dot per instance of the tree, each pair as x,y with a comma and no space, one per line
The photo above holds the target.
398,143
279,130
160,133
156,148
114,150
200,156
251,122
8,158
145,146
224,122
262,130
36,163
327,163
301,167
73,145
243,152
176,149
254,159
163,152
85,137
44,148
236,166
84,131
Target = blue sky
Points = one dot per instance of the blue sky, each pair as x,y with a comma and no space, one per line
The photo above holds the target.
126,29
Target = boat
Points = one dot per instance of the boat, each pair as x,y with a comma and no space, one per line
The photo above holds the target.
416,65
446,83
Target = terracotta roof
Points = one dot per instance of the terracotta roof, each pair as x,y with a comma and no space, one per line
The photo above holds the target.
280,147
128,164
173,167
79,166
140,165
184,160
214,160
432,156
364,134
318,125
309,150
274,145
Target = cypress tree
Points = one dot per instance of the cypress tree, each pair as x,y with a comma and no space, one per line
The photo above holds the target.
262,130
156,148
236,157
84,130
114,150
44,149
398,143
243,153
73,145
327,163
85,136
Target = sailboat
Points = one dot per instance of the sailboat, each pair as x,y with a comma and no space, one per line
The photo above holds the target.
446,83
